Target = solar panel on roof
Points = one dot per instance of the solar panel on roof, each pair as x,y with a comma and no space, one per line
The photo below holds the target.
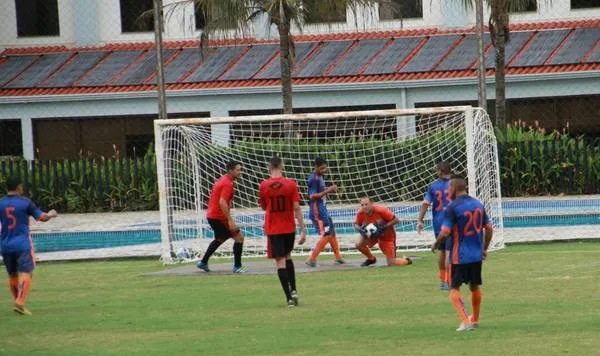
540,48
435,48
274,70
104,72
215,64
186,61
318,64
463,56
39,71
517,40
142,69
74,70
577,46
594,56
387,61
358,57
13,65
252,61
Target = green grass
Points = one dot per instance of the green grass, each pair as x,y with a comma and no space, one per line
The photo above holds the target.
538,300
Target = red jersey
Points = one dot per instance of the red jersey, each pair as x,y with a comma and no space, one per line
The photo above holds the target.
380,214
223,188
277,198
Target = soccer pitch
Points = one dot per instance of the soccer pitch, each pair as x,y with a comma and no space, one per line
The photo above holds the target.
538,299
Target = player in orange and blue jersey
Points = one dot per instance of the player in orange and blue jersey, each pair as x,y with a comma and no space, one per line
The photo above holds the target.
438,197
15,241
319,215
468,231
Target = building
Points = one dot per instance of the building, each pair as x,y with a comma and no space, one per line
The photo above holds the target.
77,76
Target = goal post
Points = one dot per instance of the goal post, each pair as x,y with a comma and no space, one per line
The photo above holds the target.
389,155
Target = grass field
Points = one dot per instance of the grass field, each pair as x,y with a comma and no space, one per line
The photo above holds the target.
538,300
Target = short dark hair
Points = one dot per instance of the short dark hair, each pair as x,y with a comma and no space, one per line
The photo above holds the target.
444,167
319,161
460,181
276,162
232,164
12,183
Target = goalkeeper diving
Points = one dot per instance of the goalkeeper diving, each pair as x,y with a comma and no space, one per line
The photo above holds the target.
384,234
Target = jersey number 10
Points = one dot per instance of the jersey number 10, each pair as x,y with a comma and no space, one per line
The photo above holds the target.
278,204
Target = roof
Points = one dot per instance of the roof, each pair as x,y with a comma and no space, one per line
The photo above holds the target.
536,48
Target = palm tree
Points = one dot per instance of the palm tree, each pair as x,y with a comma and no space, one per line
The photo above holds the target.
500,35
223,16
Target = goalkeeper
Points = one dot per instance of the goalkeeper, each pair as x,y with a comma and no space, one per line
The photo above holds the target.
385,235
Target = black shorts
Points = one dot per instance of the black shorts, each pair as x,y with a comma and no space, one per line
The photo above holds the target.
469,273
442,245
221,229
279,246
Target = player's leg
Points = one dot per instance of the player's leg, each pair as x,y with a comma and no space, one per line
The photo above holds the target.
475,293
10,262
363,245
276,250
222,233
320,245
458,277
238,248
333,242
441,259
289,266
389,250
26,265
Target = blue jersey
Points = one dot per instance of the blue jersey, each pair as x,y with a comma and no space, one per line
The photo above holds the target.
14,223
465,219
316,209
439,196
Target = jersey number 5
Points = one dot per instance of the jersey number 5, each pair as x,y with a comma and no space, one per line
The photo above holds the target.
278,204
475,223
11,217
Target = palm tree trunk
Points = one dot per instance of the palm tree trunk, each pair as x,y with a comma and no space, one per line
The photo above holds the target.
286,66
500,44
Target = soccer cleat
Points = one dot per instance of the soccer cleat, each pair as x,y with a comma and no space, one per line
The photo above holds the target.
295,297
340,262
367,263
465,327
291,303
240,269
311,263
410,261
203,266
475,324
444,286
20,309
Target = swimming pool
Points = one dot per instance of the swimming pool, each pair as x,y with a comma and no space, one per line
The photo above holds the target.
517,214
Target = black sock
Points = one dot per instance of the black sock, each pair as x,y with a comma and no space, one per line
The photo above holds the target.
237,254
285,282
289,266
214,245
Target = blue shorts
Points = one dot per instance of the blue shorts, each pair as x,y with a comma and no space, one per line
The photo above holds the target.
324,226
19,262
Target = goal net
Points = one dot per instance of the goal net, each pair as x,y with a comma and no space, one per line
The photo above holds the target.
388,155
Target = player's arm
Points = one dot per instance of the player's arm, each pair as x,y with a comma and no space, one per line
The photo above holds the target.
312,190
489,233
423,210
226,192
39,215
298,214
449,221
261,197
390,219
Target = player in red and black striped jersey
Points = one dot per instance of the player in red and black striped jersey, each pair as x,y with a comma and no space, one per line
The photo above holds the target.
280,199
469,232
220,219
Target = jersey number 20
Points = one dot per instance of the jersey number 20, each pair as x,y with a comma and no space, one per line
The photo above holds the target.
475,223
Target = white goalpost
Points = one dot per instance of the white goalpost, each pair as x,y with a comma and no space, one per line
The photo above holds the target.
389,155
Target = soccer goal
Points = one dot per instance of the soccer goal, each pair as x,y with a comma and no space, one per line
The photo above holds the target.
388,155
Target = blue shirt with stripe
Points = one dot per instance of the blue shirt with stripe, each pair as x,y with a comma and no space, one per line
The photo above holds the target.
14,223
439,197
317,208
466,219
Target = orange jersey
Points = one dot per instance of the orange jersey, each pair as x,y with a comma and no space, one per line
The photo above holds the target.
380,214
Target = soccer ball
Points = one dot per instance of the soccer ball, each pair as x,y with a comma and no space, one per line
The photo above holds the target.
183,253
371,230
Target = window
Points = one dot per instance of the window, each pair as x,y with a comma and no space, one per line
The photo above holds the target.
584,4
529,6
37,18
400,9
135,16
319,11
10,138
